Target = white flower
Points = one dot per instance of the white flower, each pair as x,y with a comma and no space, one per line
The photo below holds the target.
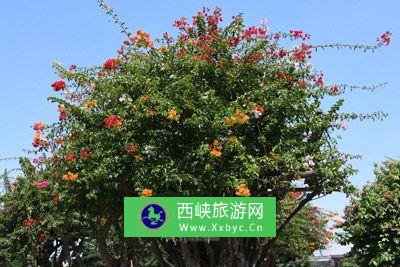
90,88
125,98
56,63
309,161
149,151
205,96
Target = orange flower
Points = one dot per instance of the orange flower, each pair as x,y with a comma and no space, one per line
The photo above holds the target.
144,98
132,148
216,153
330,214
173,114
70,176
141,39
147,192
337,222
151,112
243,191
216,148
236,119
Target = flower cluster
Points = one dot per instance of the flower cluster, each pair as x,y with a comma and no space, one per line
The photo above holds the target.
112,122
142,39
384,38
111,64
344,126
89,104
38,126
59,85
41,185
243,191
294,195
215,149
62,113
257,111
39,140
28,222
173,115
70,176
237,119
146,192
132,148
298,34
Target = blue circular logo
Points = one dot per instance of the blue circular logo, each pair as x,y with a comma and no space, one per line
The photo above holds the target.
153,216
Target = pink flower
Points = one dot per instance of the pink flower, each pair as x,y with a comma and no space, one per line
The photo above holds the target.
37,160
257,111
384,38
343,125
43,184
37,126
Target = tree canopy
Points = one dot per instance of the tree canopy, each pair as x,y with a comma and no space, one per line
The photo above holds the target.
372,219
214,111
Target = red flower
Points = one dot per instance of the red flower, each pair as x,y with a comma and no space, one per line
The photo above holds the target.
56,198
259,108
63,113
112,121
28,222
282,53
41,238
293,195
303,84
281,75
71,157
111,64
84,153
297,34
58,85
101,74
335,89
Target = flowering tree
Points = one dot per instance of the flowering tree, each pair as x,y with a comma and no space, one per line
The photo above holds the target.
215,111
372,219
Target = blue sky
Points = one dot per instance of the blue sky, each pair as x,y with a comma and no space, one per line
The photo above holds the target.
34,33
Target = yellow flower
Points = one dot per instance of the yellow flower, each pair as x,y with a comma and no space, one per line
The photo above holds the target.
233,139
138,157
91,103
147,192
243,191
274,156
103,221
